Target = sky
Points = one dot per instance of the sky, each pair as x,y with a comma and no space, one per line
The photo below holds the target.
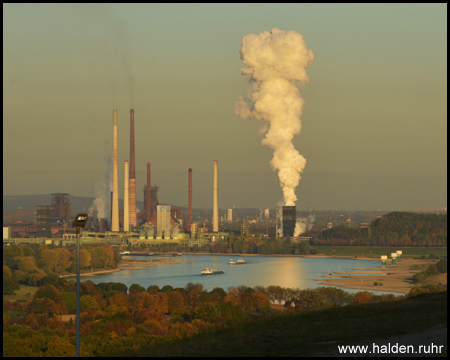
374,122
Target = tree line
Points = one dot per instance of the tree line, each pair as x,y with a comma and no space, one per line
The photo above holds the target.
115,319
31,264
393,229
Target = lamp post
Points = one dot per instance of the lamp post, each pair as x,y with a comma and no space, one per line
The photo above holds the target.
78,223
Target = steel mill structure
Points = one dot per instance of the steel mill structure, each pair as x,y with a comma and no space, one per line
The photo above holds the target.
289,218
60,208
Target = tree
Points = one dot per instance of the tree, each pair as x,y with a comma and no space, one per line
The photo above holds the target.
85,258
58,346
34,277
26,263
10,285
259,300
175,300
48,291
136,288
361,297
70,299
208,311
87,302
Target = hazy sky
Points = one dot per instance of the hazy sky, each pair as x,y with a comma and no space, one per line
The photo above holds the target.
374,124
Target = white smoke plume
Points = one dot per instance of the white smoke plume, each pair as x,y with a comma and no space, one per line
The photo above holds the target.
276,63
303,224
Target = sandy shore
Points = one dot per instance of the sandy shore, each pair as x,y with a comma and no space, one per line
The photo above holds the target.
395,278
129,263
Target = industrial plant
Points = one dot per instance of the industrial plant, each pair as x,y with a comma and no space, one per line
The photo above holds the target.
157,223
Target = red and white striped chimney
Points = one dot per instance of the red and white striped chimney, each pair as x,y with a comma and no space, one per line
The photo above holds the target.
133,209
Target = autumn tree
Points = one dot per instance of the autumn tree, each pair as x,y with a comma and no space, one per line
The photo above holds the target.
26,263
362,297
175,300
85,258
208,311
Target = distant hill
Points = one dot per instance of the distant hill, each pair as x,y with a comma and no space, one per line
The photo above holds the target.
27,203
395,228
30,202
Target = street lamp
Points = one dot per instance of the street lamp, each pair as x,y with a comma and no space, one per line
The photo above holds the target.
78,223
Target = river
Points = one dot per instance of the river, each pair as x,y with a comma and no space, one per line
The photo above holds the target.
285,271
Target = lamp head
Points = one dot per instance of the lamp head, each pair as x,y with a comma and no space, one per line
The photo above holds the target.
80,220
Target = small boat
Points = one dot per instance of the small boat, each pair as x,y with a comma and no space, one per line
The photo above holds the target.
231,262
240,261
208,271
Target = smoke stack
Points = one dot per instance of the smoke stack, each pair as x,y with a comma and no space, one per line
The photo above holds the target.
149,197
216,200
133,210
126,213
115,199
190,198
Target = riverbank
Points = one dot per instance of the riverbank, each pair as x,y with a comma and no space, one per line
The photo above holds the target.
393,278
129,263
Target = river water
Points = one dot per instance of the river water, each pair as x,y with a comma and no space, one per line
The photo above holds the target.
293,272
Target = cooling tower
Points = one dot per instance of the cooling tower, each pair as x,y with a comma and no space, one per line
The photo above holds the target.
216,200
126,200
190,198
132,197
149,195
289,216
115,199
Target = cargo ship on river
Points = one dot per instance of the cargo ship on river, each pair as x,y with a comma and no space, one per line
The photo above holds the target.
208,271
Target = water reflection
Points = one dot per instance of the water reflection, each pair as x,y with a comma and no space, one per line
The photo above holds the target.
293,272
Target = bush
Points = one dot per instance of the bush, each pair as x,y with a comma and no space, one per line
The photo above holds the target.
442,266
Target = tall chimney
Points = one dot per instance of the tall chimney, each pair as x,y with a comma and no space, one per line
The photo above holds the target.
149,195
115,200
133,211
126,214
216,200
190,199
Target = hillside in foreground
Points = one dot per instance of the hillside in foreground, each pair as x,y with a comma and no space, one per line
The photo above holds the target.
314,333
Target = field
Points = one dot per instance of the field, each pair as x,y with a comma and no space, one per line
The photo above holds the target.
377,251
23,294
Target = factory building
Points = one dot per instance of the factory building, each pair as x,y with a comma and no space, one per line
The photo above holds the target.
230,215
289,217
43,221
60,208
163,221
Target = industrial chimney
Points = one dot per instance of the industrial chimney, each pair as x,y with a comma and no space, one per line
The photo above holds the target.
216,200
190,198
126,201
133,210
149,195
115,199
